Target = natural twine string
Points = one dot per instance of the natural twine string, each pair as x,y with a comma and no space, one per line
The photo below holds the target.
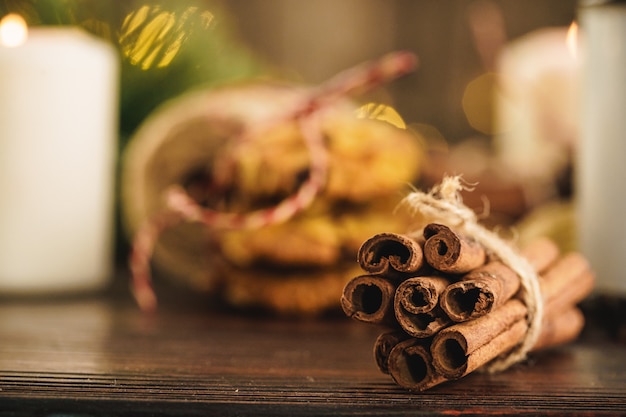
443,204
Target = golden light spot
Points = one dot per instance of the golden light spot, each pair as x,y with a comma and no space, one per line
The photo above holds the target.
381,112
478,102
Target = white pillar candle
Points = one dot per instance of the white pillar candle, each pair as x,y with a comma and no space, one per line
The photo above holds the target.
58,136
537,107
601,170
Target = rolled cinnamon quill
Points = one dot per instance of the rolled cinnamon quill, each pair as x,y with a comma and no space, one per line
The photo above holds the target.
491,285
541,254
451,252
479,292
566,283
410,365
464,347
419,294
421,325
460,349
369,298
560,328
388,252
385,342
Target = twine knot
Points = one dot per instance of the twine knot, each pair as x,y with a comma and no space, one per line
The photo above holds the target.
442,203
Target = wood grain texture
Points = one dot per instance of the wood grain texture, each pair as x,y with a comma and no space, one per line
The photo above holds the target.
103,357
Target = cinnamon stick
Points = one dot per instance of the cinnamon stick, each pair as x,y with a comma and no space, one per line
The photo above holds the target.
451,252
464,347
410,365
422,325
419,294
383,345
541,253
491,285
566,283
369,298
387,252
560,328
479,292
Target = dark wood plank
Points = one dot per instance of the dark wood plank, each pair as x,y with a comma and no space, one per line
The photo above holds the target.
103,357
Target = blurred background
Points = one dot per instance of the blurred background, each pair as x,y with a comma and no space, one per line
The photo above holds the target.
469,52
189,43
456,42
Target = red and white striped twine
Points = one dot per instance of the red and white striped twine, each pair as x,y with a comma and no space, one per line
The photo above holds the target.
181,207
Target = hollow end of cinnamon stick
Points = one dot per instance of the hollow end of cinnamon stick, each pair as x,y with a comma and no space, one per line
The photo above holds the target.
450,252
383,346
386,251
369,299
452,359
419,294
410,365
421,325
464,301
480,291
450,353
460,349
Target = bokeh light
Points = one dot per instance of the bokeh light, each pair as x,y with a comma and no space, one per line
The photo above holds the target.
478,102
13,30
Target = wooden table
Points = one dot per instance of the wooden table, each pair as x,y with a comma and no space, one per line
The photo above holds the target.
99,355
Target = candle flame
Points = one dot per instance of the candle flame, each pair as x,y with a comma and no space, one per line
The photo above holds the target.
13,30
571,39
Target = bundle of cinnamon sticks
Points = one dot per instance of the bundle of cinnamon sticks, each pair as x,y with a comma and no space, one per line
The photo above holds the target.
450,307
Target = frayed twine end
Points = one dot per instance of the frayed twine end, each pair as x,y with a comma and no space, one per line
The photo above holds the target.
443,203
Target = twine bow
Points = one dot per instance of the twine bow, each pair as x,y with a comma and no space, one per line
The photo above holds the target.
443,204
